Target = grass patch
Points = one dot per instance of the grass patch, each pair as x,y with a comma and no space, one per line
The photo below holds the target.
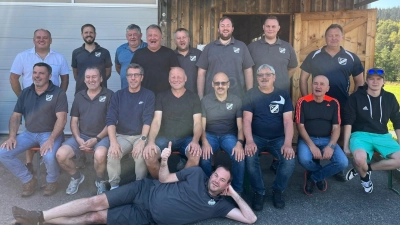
393,87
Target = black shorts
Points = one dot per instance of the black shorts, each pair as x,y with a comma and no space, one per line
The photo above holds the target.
129,204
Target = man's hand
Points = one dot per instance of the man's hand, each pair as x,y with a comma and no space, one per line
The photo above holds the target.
287,152
328,152
87,145
46,146
9,144
194,149
138,149
238,151
115,151
150,150
207,150
250,148
315,152
166,152
229,191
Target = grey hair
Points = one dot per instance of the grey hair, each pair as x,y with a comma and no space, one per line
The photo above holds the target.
133,27
135,66
266,66
154,26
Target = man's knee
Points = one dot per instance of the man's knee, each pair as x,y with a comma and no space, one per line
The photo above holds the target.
98,202
64,153
360,157
100,155
99,217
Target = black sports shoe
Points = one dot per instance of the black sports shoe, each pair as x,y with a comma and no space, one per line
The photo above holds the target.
258,202
322,185
277,199
340,176
309,184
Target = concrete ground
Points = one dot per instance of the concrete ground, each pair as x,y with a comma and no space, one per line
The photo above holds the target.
343,203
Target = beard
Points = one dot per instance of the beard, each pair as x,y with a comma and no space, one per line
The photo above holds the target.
221,35
89,42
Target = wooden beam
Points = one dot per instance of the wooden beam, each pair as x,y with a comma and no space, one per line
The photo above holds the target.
365,2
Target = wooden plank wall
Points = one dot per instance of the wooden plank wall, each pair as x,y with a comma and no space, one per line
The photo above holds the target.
200,17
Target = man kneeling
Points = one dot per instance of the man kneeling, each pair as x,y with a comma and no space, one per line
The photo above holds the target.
177,198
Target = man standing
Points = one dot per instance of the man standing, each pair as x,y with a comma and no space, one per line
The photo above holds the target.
275,52
337,64
366,116
185,197
128,123
222,128
156,60
90,54
44,107
268,126
89,131
177,118
226,55
187,57
318,121
125,52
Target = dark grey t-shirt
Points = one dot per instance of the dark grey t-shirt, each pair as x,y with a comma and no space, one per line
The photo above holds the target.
40,111
91,113
231,59
221,116
188,64
279,55
186,201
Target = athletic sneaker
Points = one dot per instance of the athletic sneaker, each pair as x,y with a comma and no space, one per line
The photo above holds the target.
101,187
322,185
351,174
74,185
368,185
309,184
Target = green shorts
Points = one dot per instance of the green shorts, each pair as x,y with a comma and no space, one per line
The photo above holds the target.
384,144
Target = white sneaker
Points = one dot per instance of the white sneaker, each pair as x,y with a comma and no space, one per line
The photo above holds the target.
351,174
74,185
101,187
368,186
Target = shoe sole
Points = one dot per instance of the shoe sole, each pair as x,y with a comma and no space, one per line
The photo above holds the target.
305,183
77,187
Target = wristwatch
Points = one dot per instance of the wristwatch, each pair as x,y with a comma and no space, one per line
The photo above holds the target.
241,141
332,146
98,139
143,138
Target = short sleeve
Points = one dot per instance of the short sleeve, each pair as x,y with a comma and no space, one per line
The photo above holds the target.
74,63
306,66
64,69
108,62
248,60
203,60
17,66
247,102
293,58
357,67
288,106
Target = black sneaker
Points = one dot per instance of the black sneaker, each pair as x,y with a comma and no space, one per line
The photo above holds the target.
340,177
322,185
258,202
277,199
309,184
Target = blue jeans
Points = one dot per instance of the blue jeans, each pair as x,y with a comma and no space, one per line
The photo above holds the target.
338,160
227,143
179,144
25,141
283,171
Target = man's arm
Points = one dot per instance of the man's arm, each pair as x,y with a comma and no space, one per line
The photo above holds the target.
291,71
250,147
15,84
75,72
164,175
248,77
118,68
64,82
15,121
304,82
242,214
194,147
287,149
328,151
57,130
108,73
346,139
138,148
306,138
358,81
397,131
201,79
151,147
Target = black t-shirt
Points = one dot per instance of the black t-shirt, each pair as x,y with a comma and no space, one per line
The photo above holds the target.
156,67
186,201
317,118
177,113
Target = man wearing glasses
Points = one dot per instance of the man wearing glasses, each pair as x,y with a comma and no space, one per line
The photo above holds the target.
128,123
268,126
222,128
366,115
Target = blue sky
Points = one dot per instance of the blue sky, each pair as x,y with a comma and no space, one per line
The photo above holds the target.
385,4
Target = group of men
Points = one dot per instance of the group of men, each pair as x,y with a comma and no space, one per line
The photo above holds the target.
197,103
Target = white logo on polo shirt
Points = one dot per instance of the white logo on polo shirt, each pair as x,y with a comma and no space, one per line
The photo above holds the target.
97,54
49,97
342,61
229,106
102,98
274,108
365,108
236,50
281,101
282,50
192,58
141,102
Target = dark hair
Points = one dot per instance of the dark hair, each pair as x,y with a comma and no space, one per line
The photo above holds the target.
271,18
227,169
154,26
332,26
225,18
42,64
34,33
88,25
181,29
135,66
93,68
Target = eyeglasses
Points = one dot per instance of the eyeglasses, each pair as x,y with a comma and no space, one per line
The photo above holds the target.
375,71
136,75
222,83
265,74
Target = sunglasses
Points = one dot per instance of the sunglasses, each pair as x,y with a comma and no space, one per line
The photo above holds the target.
223,83
375,71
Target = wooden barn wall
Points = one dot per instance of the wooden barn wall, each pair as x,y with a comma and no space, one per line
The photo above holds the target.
200,17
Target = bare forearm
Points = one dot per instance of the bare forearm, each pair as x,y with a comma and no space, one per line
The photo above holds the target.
304,135
346,135
244,208
335,134
247,131
108,73
154,129
14,123
118,68
304,83
163,173
58,127
75,129
64,82
248,76
15,85
201,76
288,126
103,133
291,72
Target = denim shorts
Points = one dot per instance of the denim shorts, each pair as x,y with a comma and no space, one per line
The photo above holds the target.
105,142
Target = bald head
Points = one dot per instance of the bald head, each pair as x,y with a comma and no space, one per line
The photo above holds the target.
321,78
320,86
220,84
220,75
177,78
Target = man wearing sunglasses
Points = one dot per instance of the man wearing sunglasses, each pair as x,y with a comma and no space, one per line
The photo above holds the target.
366,115
222,128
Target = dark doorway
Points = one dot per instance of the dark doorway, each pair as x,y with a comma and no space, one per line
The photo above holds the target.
248,28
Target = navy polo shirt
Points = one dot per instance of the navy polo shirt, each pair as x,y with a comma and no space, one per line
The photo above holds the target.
82,59
337,69
221,116
39,111
188,64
